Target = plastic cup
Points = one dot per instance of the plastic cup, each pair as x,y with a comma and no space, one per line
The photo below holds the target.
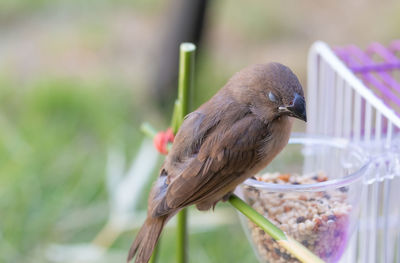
311,191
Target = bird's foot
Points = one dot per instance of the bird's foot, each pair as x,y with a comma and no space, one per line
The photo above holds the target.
226,197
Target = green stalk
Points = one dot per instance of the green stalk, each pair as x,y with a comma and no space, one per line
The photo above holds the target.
185,82
182,108
291,245
175,122
154,256
257,218
148,130
181,236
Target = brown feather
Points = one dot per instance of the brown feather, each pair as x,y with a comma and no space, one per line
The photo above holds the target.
146,239
219,163
225,141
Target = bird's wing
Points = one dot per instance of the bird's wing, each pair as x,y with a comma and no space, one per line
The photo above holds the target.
223,156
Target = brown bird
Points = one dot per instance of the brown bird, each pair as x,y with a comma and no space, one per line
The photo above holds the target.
226,140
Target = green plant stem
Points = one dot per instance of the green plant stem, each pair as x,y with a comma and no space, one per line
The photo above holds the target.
154,256
148,130
292,246
257,218
175,121
185,82
182,108
181,236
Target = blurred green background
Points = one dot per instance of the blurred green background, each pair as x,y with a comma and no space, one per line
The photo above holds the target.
74,83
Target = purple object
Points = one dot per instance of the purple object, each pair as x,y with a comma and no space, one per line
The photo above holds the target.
378,67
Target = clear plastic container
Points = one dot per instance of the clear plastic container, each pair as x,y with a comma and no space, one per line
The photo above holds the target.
312,192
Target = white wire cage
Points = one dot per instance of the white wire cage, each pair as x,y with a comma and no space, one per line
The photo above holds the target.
355,95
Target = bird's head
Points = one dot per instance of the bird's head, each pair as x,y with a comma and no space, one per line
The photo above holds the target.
271,90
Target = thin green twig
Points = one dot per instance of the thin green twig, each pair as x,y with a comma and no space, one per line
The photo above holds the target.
181,236
257,218
292,246
148,130
154,256
182,108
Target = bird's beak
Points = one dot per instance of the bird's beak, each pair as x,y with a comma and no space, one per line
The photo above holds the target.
297,109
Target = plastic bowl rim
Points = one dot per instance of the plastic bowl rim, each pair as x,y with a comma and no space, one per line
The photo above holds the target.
298,138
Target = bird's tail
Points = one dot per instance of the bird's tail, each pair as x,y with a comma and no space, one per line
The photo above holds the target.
147,239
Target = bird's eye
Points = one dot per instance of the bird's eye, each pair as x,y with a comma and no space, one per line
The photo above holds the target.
272,97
